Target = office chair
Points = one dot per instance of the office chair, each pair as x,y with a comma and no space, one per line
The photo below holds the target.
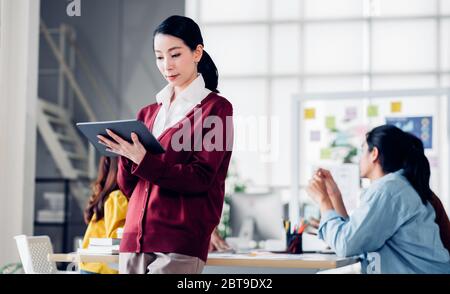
34,251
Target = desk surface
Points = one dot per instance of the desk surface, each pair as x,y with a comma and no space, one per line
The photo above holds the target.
80,257
259,259
275,260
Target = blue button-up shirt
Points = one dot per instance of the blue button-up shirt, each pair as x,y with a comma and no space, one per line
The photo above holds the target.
392,230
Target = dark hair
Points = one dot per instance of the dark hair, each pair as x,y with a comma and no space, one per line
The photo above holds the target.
105,183
187,30
400,150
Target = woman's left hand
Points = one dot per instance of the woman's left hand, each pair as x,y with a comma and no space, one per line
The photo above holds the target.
133,151
217,243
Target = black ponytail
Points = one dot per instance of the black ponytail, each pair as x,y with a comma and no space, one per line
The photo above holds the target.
187,30
209,72
417,168
400,150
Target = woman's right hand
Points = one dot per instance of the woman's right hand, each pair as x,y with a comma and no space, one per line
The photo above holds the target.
333,191
330,184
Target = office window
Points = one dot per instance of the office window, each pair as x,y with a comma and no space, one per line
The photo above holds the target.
268,50
404,46
233,10
241,50
446,81
333,9
249,99
282,90
406,7
333,84
404,82
286,48
445,7
334,48
445,44
286,9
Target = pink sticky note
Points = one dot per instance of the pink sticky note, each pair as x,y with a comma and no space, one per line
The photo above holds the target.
314,136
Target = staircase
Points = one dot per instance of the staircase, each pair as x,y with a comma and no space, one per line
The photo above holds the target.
74,158
62,140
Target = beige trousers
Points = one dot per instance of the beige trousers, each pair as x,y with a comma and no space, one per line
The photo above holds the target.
159,263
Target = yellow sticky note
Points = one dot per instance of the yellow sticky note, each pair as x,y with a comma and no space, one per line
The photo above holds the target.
330,122
372,110
325,153
310,113
396,106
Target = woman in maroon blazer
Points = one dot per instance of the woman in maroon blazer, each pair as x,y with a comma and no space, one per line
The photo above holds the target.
176,198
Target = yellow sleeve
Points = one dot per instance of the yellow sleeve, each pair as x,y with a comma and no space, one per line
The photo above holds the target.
115,213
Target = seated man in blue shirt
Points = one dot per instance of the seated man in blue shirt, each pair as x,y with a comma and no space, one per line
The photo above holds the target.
394,229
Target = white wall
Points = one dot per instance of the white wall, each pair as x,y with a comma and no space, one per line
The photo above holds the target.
19,31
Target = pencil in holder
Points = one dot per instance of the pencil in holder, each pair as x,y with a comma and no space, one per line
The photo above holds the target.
294,243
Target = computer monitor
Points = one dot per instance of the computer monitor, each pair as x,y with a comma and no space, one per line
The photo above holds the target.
256,216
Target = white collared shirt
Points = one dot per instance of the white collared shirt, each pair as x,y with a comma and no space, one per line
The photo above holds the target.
182,105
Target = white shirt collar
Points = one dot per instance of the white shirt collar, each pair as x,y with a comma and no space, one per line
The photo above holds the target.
194,93
167,116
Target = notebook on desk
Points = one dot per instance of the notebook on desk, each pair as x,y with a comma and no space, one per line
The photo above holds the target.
104,241
99,250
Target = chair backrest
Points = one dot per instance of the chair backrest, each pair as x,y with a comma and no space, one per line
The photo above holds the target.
34,253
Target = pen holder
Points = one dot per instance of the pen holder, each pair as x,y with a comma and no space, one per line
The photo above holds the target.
294,243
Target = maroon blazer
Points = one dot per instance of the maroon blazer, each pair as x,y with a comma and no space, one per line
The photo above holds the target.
176,198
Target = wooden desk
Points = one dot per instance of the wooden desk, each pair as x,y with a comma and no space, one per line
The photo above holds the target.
314,261
77,257
266,263
220,263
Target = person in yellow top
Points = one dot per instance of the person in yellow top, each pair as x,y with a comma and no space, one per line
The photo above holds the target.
105,212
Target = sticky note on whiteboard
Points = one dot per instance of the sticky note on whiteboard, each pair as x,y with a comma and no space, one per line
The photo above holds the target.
372,110
330,122
314,136
396,106
310,113
350,113
325,153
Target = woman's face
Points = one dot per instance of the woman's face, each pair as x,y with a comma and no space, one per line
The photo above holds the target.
176,61
365,162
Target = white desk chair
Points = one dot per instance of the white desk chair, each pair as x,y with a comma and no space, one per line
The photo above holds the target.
34,252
